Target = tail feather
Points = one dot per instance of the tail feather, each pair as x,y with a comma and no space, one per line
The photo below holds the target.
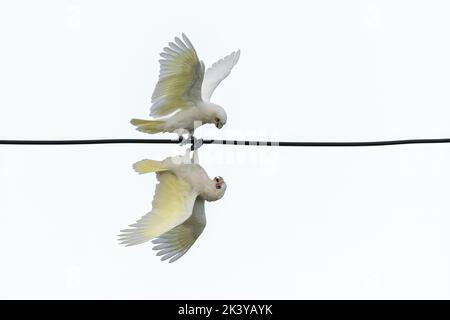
147,165
148,126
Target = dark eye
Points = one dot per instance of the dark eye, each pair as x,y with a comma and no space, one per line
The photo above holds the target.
217,120
216,179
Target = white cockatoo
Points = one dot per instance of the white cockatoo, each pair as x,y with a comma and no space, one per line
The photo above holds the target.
178,215
181,99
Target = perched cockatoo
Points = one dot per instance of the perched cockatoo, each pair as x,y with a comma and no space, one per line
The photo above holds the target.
178,215
181,99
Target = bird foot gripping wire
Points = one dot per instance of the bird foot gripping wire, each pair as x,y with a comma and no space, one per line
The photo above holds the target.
195,143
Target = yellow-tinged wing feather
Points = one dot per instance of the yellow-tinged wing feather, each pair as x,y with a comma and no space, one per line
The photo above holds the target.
176,242
180,78
172,205
147,165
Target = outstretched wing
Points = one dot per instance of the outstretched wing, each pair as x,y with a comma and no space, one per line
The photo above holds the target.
172,205
176,242
180,78
218,71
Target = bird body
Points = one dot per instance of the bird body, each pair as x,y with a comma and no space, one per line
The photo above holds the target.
196,176
186,119
181,99
177,218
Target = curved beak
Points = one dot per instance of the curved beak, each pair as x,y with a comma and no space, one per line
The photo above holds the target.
219,184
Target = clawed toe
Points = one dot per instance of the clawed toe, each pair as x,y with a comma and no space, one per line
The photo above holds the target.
184,141
197,143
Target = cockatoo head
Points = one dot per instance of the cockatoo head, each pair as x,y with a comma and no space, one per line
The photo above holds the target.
218,116
220,187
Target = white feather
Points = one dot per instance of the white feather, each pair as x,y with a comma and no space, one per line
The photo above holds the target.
217,72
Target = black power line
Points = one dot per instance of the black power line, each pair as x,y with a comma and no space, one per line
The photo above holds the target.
326,144
199,142
88,141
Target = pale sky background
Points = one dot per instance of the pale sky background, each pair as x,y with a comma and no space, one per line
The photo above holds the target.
295,223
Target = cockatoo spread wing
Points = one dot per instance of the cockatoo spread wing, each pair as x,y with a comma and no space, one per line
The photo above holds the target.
172,205
180,78
176,242
217,72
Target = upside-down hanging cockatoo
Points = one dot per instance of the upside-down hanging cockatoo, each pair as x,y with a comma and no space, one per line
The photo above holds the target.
178,215
181,99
